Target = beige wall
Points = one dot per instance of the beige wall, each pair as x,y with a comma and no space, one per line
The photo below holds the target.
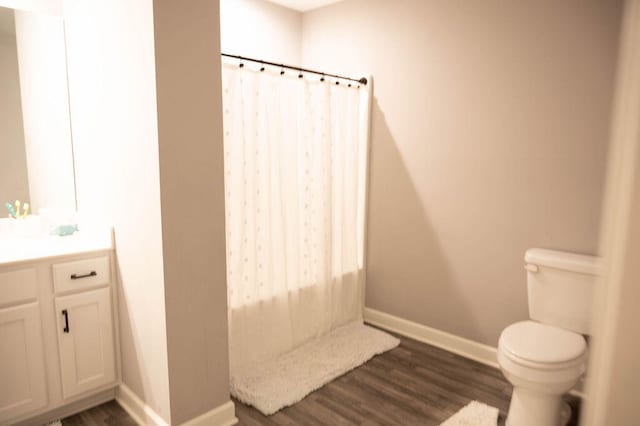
261,30
489,136
614,376
114,120
187,40
14,184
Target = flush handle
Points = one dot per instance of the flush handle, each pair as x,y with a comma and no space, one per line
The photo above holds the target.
531,268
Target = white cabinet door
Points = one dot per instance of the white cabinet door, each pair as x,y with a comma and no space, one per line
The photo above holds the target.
23,386
85,338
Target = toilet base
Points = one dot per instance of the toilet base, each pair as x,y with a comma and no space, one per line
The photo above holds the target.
531,408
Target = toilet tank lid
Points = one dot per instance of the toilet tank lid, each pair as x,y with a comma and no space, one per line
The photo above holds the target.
573,262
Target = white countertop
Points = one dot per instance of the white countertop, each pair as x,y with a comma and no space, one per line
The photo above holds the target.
17,249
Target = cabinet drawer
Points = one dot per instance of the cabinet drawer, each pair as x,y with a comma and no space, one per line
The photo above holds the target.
81,274
18,286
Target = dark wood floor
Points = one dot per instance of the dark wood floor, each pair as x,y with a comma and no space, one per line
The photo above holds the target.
413,384
109,413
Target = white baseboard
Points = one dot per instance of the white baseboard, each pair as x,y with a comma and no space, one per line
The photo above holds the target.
480,352
137,408
450,342
222,415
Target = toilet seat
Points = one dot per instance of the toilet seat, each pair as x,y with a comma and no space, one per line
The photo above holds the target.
542,357
541,346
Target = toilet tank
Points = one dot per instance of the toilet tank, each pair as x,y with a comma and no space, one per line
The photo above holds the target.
560,287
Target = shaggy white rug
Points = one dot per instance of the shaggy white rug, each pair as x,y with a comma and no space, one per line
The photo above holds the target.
272,385
474,414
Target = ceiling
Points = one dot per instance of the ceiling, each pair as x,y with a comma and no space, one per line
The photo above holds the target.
304,5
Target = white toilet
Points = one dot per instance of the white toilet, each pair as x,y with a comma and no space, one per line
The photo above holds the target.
544,358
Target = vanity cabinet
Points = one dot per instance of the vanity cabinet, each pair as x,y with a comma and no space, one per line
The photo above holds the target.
23,387
85,340
58,336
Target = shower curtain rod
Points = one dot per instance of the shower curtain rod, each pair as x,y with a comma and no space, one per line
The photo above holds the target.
324,74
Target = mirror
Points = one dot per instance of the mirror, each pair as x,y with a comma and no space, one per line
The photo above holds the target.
36,151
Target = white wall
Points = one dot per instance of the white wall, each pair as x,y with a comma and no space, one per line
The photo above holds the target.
45,110
489,136
261,30
47,7
14,183
113,105
146,105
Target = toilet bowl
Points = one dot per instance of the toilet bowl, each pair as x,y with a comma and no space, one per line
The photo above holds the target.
544,357
542,362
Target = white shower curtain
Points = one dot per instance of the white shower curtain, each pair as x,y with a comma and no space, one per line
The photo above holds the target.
295,173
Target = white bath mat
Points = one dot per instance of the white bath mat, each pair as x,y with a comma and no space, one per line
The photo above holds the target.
474,414
290,377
